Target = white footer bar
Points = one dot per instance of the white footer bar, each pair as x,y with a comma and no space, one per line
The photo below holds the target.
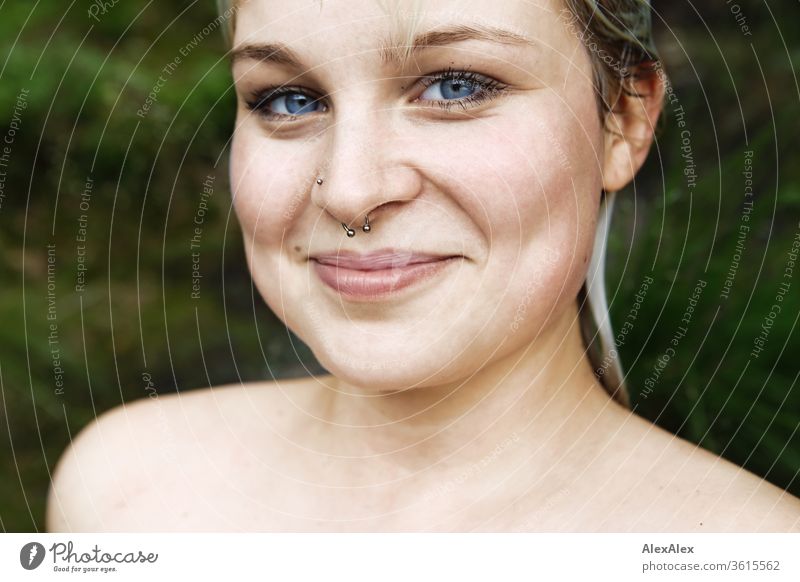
400,557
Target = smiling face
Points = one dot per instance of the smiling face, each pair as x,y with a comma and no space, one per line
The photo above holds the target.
481,145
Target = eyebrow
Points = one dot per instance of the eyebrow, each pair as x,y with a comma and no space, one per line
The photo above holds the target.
281,54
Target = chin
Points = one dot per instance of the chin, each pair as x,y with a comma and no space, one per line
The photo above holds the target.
381,373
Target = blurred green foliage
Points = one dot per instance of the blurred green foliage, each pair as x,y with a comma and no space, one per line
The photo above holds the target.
135,319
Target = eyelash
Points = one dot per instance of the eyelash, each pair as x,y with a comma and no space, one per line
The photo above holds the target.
488,88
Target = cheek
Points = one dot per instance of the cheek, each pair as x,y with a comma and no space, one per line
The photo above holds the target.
263,178
535,181
537,205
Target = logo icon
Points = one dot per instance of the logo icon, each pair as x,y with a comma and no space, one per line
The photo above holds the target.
31,555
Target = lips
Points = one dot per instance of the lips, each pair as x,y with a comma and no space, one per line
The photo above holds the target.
377,260
378,274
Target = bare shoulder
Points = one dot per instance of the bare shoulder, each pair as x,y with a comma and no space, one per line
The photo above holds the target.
130,450
683,487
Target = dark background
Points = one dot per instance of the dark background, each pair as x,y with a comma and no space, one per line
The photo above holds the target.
135,329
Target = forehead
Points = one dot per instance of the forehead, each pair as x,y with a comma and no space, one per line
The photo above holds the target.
390,26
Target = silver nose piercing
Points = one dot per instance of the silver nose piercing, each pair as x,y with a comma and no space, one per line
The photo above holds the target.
350,232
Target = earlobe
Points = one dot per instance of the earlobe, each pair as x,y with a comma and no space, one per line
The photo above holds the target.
629,129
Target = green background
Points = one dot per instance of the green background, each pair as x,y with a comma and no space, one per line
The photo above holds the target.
135,320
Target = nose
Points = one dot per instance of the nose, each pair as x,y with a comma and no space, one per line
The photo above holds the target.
366,170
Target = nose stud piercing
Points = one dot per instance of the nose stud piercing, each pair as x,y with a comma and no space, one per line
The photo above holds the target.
350,232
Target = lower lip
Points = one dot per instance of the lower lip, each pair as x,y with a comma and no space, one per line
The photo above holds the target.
374,285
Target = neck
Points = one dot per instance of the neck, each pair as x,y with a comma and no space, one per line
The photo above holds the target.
541,396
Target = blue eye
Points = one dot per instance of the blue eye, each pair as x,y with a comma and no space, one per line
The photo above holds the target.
443,89
285,102
450,88
296,103
454,87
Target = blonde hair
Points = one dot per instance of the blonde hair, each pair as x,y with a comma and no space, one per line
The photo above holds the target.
617,34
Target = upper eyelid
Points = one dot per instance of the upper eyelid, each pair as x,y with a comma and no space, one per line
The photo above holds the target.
460,74
280,90
450,72
489,84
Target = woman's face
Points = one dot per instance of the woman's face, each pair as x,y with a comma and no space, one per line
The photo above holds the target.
501,169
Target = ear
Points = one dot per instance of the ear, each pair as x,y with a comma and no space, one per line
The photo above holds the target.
630,126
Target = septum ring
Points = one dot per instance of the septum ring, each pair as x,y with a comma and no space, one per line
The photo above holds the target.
350,232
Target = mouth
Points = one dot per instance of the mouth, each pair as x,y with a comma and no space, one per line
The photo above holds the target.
380,274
